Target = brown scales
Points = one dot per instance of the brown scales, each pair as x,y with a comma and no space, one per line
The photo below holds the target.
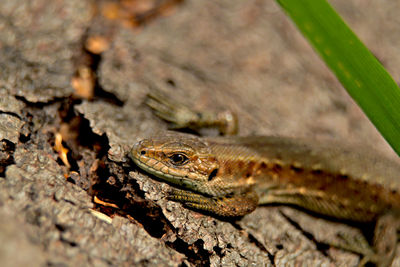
337,187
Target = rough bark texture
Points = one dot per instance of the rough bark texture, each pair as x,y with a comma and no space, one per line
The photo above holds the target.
245,56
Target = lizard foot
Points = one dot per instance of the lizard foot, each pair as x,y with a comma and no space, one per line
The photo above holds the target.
235,206
181,116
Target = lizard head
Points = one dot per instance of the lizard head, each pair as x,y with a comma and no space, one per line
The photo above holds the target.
180,159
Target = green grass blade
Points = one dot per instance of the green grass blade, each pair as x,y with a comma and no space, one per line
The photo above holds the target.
365,79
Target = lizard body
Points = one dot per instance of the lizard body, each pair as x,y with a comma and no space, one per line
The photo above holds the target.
330,179
230,176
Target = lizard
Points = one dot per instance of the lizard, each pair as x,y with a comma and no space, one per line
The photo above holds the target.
230,176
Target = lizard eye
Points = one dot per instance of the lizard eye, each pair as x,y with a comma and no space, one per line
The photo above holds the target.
178,159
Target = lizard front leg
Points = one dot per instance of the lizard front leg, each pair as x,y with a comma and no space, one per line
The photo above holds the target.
234,206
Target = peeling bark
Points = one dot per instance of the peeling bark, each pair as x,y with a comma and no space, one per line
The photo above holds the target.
245,56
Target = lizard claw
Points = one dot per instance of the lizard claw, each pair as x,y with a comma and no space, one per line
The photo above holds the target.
181,116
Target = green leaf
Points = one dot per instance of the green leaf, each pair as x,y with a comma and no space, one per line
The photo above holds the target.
364,78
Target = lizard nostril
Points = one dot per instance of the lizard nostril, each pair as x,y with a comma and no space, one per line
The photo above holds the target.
138,149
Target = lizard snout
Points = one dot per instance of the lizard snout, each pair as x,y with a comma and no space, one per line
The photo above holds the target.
139,149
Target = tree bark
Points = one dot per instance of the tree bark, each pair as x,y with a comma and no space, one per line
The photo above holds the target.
245,56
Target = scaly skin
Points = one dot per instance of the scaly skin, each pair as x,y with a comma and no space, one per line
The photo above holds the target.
230,176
